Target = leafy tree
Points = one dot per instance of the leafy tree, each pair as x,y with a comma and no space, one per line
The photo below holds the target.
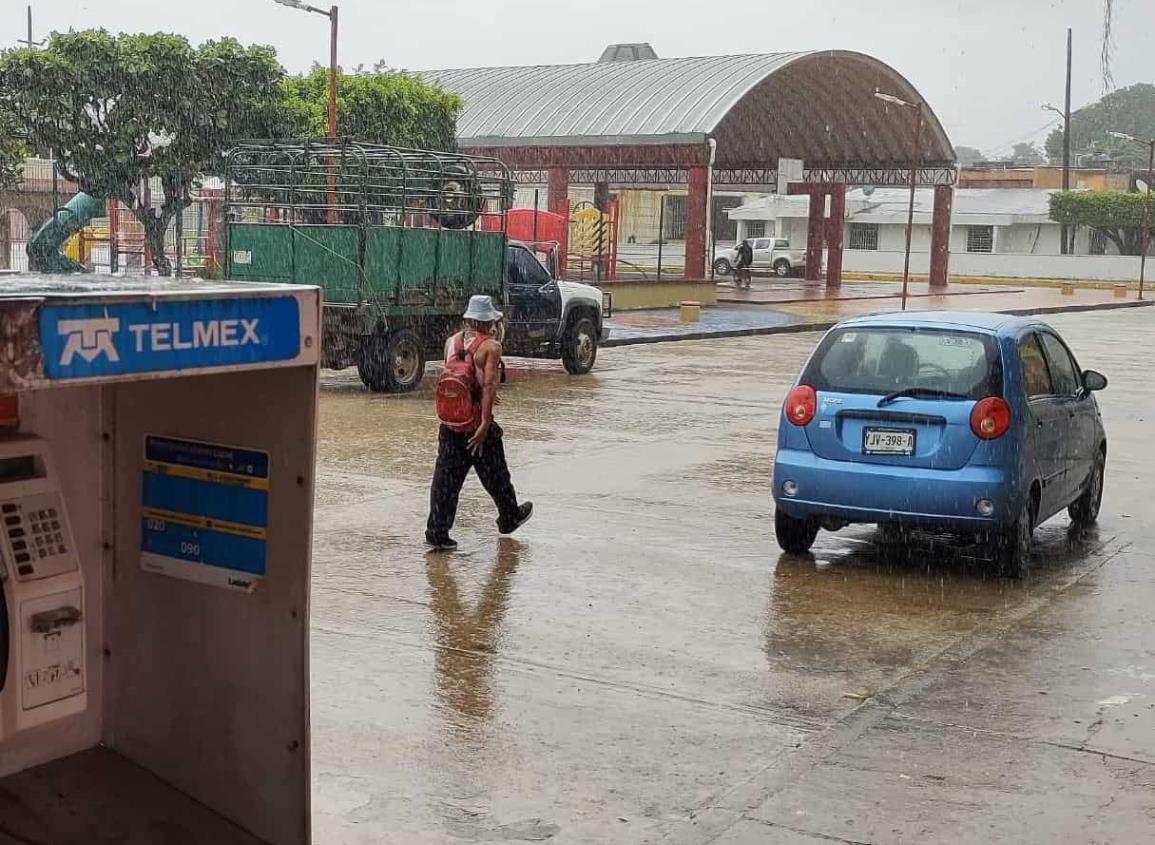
968,156
1119,216
118,110
1130,110
1027,155
11,151
378,107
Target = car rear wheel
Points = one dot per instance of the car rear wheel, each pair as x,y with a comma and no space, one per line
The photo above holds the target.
795,536
1084,511
782,268
1012,546
722,267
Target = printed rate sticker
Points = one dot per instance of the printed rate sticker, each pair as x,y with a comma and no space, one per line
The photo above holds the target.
205,512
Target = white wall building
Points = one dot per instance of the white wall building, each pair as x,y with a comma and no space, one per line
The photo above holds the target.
983,220
994,232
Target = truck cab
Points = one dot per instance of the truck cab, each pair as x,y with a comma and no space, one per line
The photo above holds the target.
548,317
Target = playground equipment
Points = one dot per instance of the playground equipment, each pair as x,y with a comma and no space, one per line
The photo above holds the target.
44,248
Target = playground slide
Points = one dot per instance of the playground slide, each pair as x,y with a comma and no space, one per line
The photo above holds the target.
44,255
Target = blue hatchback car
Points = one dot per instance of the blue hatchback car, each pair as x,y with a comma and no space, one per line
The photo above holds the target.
981,424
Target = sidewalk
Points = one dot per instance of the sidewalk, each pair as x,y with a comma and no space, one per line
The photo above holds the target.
794,306
798,290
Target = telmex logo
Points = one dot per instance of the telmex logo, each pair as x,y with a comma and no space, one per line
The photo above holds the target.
95,337
89,339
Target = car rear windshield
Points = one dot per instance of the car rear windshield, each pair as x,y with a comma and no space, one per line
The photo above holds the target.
887,360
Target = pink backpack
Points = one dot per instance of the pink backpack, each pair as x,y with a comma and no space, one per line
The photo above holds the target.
458,393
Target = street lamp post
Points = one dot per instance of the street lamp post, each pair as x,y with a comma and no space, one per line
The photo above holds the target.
914,161
331,14
1146,188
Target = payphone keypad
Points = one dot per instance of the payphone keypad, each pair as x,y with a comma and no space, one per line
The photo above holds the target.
36,536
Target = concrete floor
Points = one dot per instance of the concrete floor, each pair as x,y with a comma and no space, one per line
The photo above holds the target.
641,664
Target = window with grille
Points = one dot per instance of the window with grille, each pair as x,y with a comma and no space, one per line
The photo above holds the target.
725,229
674,218
863,236
755,228
980,238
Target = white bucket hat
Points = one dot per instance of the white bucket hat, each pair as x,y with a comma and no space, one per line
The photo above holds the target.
482,310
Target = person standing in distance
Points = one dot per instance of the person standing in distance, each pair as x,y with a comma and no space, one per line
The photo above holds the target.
745,259
469,437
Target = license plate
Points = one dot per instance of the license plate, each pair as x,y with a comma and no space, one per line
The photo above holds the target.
888,441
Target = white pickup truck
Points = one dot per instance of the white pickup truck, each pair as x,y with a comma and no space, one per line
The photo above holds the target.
772,254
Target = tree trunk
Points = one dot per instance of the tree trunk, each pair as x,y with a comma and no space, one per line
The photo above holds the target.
154,230
1114,236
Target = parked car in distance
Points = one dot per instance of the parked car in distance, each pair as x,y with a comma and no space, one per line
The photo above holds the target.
981,424
772,254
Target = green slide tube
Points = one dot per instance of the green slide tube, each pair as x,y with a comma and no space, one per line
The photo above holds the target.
44,255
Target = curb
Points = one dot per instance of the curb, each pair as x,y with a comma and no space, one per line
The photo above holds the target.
823,325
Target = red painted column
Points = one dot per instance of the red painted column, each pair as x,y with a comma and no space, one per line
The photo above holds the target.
940,236
558,192
814,234
696,214
835,227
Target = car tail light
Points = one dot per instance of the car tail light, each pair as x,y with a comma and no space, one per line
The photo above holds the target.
990,418
801,404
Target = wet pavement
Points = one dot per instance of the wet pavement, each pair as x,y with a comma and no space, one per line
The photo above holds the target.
641,664
775,308
658,325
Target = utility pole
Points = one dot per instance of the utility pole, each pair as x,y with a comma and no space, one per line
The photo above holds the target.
331,14
915,158
1145,187
1067,140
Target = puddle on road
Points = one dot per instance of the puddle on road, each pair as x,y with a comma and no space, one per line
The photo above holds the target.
859,609
466,635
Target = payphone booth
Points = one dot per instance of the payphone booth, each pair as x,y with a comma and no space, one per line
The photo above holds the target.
156,497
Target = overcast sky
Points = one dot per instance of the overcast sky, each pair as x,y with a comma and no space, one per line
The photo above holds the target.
985,66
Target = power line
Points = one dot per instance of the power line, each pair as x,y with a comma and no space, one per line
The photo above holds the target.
1007,147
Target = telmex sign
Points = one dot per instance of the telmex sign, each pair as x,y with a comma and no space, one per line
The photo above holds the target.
91,341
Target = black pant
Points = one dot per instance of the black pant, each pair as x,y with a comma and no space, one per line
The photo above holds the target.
453,463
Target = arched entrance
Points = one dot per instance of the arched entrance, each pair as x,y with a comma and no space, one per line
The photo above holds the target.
708,124
14,235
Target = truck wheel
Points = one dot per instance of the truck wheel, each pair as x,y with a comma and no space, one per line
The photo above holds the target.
579,346
393,362
722,267
782,268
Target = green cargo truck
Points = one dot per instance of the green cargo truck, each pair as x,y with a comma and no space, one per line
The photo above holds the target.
398,240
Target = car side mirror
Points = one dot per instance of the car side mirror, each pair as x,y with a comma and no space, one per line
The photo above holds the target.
1093,381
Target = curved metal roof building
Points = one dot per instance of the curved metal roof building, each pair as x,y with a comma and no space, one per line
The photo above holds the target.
817,106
